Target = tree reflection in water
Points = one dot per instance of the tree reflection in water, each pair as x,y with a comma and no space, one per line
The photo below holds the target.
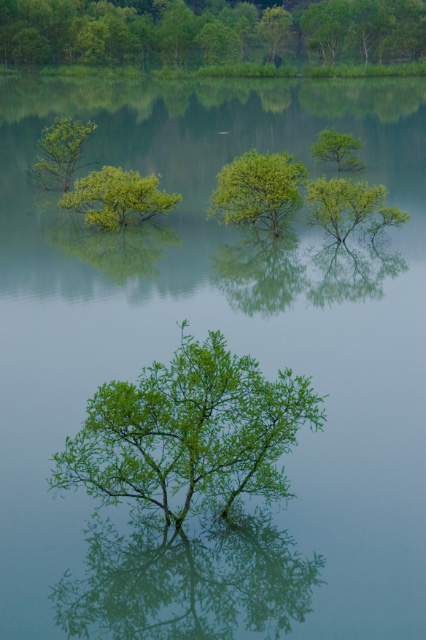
346,274
261,273
159,584
265,275
130,252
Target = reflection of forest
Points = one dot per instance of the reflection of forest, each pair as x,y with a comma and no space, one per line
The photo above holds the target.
72,96
389,99
161,585
261,274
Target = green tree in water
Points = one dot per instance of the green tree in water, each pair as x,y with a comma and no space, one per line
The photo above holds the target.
333,146
62,145
342,207
112,198
205,430
259,189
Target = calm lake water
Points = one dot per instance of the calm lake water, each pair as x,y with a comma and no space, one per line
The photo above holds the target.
346,560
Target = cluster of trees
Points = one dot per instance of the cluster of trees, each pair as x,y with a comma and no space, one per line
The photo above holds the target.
176,34
264,190
259,189
110,198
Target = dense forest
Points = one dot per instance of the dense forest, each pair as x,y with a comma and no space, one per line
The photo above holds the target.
184,35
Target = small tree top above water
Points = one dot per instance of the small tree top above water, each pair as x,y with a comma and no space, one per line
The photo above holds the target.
207,429
260,189
112,198
333,146
62,145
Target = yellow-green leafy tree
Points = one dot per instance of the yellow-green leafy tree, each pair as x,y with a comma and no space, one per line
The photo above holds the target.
112,198
62,146
341,207
205,431
259,189
333,146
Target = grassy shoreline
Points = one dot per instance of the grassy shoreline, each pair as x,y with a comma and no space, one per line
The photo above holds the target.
246,70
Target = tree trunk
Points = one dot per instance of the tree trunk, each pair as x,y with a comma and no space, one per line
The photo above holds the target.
184,513
274,226
364,44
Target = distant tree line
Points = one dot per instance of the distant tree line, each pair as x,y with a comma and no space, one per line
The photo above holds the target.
175,34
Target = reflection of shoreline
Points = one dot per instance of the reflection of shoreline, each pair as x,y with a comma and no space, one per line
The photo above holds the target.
265,275
158,584
388,99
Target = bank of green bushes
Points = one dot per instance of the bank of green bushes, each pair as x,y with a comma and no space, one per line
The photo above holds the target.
365,71
83,71
245,70
248,70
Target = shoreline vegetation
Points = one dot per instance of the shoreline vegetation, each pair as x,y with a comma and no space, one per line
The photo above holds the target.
245,70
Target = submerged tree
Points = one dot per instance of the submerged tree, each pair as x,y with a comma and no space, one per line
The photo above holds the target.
62,145
341,207
156,584
333,146
112,198
260,189
208,429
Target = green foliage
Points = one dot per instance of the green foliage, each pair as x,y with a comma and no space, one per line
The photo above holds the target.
176,35
366,71
207,429
274,29
111,198
260,189
159,584
340,207
370,24
387,217
154,33
245,70
219,42
62,145
326,24
333,146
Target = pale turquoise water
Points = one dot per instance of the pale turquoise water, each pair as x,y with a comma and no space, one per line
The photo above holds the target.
77,311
